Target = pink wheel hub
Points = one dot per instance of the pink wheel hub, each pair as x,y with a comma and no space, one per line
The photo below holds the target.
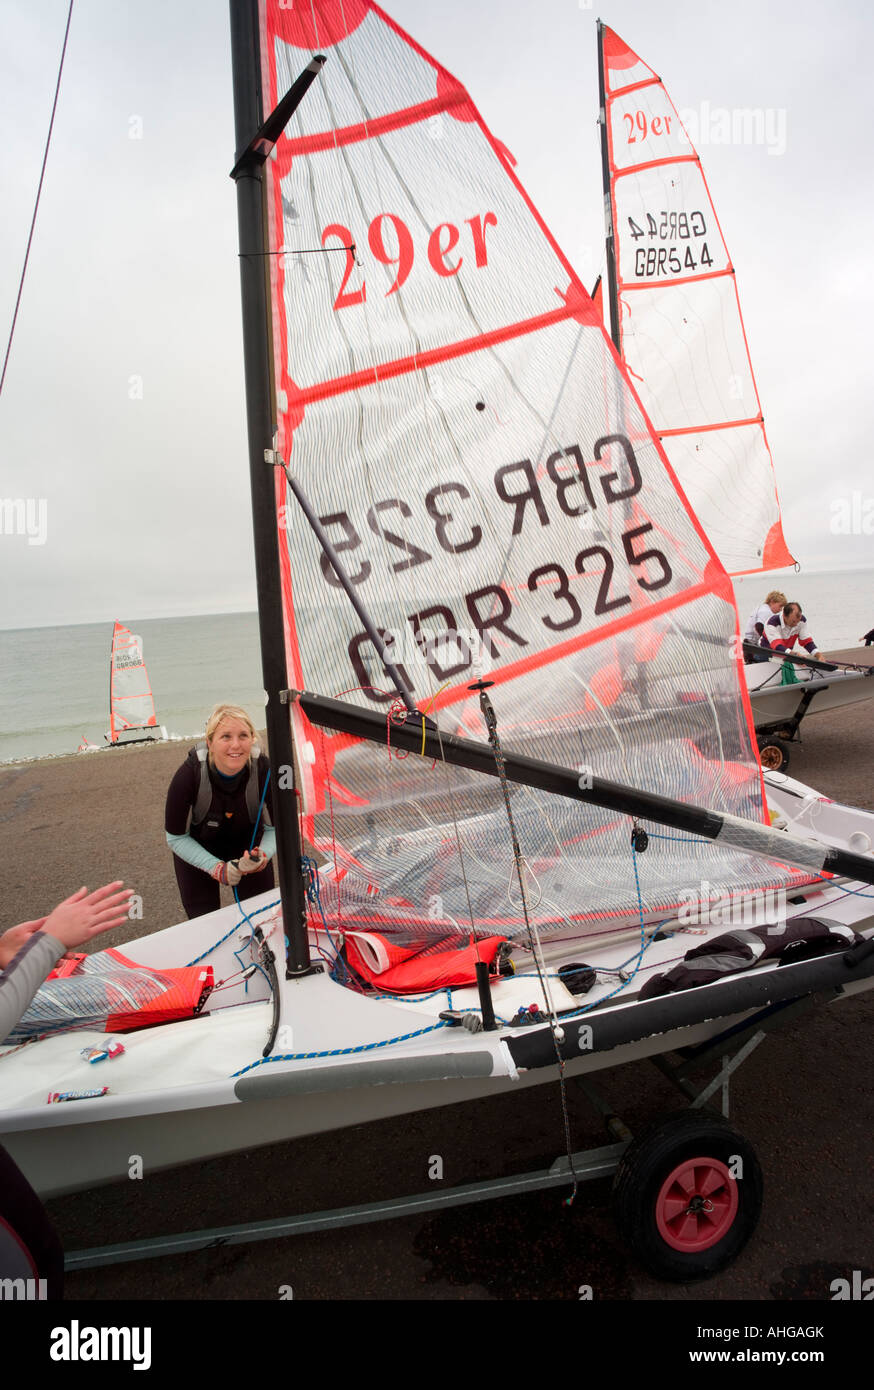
696,1205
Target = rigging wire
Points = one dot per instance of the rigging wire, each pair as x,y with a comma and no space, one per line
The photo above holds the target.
297,251
38,193
556,1032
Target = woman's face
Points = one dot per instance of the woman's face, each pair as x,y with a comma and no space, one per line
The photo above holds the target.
231,745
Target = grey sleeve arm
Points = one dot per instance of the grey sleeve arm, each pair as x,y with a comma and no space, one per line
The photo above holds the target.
23,976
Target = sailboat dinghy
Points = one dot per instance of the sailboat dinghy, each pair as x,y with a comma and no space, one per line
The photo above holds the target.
676,321
132,717
528,790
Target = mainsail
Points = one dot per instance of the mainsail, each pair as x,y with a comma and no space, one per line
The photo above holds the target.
450,404
131,705
680,328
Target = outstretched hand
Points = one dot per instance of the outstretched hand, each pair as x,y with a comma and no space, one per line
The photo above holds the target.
85,915
74,922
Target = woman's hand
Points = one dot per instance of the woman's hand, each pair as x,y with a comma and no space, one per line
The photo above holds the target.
12,940
85,915
74,921
252,861
227,873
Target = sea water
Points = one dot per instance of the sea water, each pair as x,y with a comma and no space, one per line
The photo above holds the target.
54,681
838,604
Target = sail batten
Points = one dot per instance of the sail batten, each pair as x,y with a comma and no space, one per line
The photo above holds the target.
376,126
420,361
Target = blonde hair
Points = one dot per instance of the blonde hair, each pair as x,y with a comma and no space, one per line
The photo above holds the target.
776,596
219,714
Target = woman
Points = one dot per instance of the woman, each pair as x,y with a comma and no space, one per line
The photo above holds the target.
214,807
756,625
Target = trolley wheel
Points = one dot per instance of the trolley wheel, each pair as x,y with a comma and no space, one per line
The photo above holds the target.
687,1195
773,753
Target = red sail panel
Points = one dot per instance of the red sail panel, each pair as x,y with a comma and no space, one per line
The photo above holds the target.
682,333
451,405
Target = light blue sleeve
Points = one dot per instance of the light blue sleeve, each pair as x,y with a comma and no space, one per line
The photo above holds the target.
193,853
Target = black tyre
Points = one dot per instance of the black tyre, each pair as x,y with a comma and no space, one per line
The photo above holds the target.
687,1196
773,753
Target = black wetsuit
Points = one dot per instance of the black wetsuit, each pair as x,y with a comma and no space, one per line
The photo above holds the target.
225,831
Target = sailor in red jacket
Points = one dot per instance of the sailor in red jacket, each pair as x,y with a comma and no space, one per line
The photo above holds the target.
784,629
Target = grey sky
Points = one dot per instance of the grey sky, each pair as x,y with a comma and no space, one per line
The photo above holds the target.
133,282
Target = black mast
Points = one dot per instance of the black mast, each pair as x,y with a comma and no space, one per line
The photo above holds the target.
612,288
253,142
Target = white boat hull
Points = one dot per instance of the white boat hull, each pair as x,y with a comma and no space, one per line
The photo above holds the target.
177,1095
772,702
77,1155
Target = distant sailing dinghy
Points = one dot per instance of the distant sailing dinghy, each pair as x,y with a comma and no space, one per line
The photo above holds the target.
132,716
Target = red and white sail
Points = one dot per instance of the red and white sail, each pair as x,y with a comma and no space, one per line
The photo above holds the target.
681,331
451,405
131,704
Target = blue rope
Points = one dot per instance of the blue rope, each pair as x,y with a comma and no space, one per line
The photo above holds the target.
236,927
644,944
260,809
339,972
857,892
417,998
339,1051
683,839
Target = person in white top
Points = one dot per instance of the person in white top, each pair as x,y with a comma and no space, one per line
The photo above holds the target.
757,621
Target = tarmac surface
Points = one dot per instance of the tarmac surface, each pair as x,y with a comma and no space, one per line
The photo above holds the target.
804,1100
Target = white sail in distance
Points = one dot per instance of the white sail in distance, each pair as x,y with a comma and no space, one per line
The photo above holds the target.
681,332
